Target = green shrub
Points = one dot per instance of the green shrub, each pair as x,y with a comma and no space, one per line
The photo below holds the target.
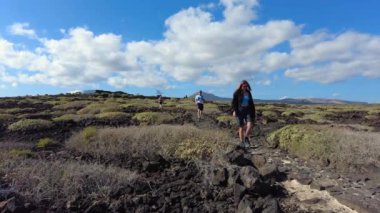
20,153
96,108
153,117
20,110
44,143
113,116
72,117
341,146
88,133
30,124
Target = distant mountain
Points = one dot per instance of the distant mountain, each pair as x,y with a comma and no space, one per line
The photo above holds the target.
212,97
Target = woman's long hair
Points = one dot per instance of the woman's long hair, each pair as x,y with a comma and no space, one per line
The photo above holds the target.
238,89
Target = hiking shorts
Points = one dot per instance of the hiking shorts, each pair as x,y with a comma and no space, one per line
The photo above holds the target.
243,117
200,106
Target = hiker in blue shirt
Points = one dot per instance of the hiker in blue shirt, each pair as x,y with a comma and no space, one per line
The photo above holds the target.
244,110
199,100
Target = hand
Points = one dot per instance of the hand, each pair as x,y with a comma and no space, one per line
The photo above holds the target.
234,114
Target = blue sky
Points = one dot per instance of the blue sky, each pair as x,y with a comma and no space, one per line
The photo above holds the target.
324,49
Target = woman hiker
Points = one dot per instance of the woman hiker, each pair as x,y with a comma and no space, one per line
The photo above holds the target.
244,110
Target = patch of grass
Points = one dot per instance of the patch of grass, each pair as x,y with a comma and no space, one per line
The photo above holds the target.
292,112
343,147
61,181
72,117
113,116
374,112
96,108
153,117
24,153
20,110
88,133
181,141
269,114
6,118
45,143
226,118
317,116
30,124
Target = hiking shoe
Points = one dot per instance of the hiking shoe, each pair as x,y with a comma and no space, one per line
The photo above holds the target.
246,141
242,145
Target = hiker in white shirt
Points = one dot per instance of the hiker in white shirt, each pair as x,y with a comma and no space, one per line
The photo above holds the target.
199,100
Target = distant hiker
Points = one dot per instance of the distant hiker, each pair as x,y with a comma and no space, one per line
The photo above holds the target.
244,109
160,101
199,100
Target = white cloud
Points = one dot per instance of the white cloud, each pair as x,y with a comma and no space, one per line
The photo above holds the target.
335,94
22,29
326,58
264,82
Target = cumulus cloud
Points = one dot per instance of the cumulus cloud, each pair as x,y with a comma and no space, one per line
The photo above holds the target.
195,47
22,29
264,82
330,58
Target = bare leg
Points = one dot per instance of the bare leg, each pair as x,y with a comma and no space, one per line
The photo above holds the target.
248,129
241,133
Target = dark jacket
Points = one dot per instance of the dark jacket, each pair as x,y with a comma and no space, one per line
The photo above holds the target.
236,103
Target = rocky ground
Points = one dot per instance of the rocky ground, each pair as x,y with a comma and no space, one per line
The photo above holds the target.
263,179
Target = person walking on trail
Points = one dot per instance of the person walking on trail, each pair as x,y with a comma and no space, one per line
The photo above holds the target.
160,101
244,110
199,100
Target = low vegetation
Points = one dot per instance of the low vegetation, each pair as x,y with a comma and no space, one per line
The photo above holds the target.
45,143
58,182
341,147
154,117
6,117
181,141
113,116
30,124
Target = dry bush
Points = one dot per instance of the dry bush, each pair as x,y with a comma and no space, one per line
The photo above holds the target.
30,124
60,181
154,117
345,148
166,140
356,148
